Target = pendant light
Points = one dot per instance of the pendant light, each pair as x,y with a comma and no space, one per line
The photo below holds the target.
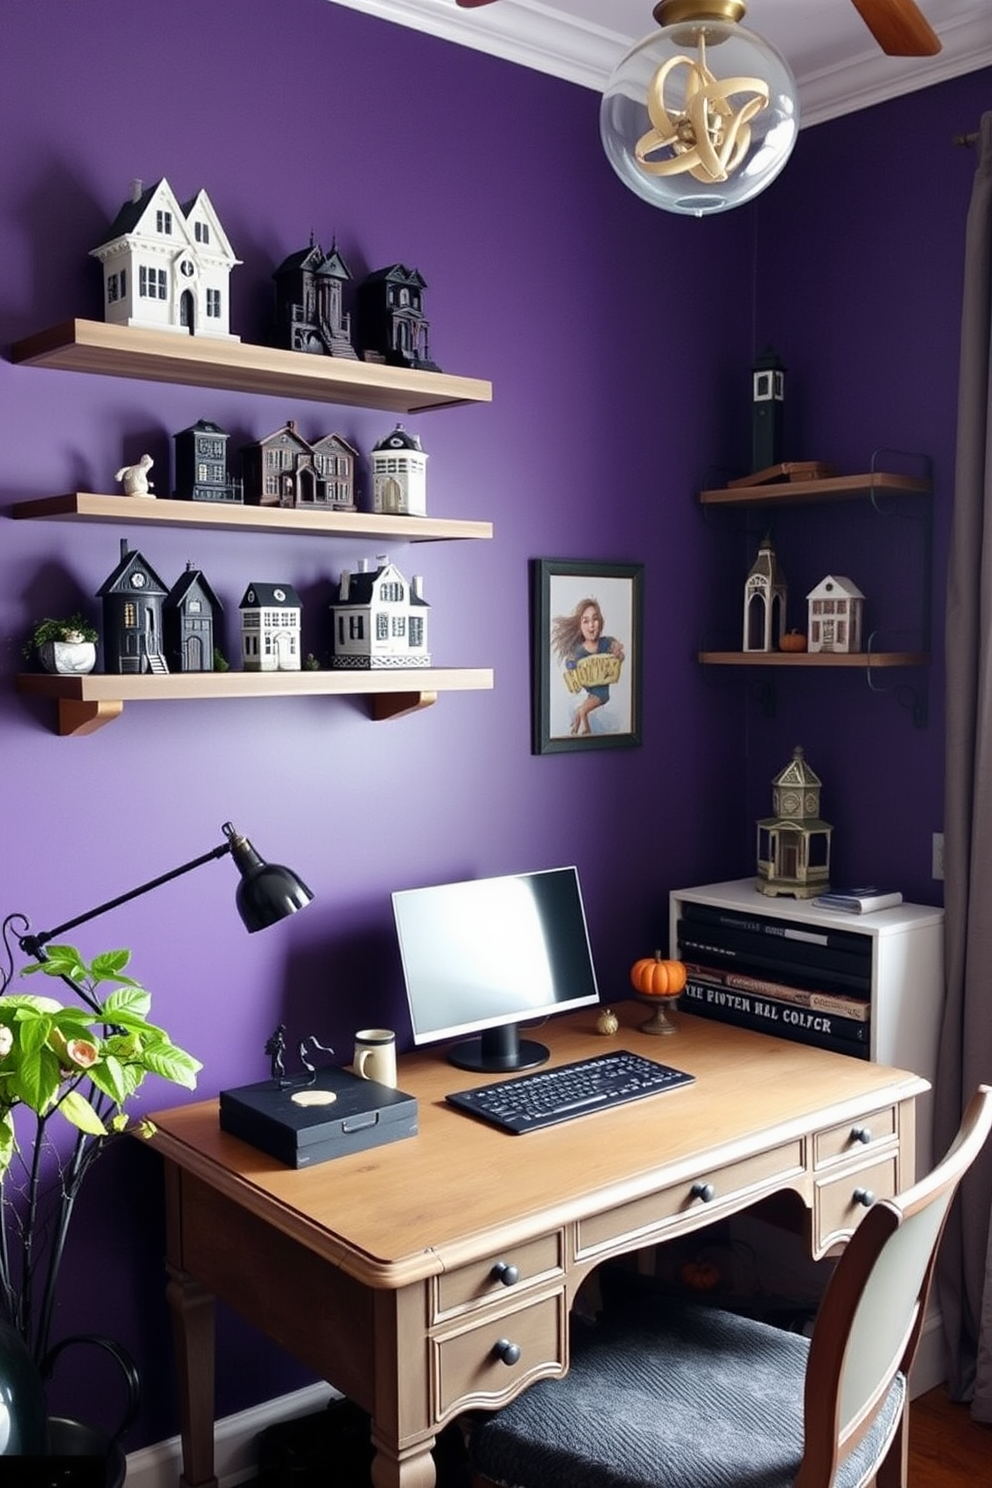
702,114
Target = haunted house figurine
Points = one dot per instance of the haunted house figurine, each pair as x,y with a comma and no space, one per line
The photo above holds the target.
394,328
284,469
380,621
201,465
132,599
310,313
189,617
271,617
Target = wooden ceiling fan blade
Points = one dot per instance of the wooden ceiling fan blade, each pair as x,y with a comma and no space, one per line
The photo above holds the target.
899,26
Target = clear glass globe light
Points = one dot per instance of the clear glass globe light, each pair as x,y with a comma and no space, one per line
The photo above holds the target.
700,116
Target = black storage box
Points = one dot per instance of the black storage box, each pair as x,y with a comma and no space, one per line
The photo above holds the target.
363,1114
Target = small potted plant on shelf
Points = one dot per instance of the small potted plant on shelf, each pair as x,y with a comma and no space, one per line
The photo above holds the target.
64,646
67,1071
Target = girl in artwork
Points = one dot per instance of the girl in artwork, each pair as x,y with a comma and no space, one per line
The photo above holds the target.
591,661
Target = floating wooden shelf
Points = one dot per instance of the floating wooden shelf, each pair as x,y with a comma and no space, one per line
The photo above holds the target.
86,703
199,361
88,506
864,660
807,492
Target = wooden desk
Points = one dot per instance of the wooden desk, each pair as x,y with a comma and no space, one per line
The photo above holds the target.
385,1273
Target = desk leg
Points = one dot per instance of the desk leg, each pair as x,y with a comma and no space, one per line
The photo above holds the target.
411,1469
192,1309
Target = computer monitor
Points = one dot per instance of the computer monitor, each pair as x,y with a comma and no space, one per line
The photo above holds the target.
484,956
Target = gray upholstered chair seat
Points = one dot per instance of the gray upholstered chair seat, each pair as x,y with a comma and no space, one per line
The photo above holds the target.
670,1395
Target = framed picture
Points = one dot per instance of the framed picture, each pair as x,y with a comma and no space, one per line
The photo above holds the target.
586,622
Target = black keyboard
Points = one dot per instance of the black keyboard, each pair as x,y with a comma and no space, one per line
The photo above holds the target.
527,1102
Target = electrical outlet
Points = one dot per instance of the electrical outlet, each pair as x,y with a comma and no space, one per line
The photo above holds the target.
937,868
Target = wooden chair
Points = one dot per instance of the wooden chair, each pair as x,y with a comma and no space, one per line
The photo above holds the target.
677,1395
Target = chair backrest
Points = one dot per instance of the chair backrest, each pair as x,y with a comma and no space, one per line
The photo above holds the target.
874,1306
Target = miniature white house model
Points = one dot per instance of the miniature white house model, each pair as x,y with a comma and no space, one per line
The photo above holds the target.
166,265
765,595
380,620
270,628
835,611
399,475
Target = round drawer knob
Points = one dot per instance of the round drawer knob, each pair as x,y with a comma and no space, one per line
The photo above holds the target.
865,1196
507,1274
508,1352
704,1191
861,1134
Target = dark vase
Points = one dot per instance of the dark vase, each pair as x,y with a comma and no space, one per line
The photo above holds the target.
23,1413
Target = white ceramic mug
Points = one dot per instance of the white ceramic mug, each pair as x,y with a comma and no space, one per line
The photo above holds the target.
375,1055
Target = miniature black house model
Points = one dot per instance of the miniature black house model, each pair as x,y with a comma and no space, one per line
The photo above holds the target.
310,313
201,465
188,616
132,616
394,328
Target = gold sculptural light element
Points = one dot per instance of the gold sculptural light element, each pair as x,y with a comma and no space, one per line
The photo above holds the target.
711,135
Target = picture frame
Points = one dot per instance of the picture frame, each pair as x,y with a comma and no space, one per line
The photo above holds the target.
586,645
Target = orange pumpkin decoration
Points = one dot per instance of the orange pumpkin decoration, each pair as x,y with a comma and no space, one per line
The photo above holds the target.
700,1275
794,641
656,977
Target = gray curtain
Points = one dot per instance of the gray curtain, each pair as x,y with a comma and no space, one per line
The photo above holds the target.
965,1267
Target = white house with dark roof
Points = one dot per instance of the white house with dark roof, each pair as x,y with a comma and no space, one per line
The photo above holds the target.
271,616
835,609
167,265
380,621
399,474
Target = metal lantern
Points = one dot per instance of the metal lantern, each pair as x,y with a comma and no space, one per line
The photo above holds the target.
794,844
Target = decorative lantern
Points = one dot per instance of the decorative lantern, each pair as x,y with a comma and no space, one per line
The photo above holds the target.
765,595
794,844
767,409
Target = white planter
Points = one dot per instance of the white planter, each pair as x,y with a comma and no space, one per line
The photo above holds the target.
69,658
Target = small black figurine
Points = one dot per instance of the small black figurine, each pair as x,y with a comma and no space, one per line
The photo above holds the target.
275,1047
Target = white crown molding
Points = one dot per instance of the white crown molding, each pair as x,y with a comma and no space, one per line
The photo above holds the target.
540,37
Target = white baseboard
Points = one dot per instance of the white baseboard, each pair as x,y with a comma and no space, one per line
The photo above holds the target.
235,1444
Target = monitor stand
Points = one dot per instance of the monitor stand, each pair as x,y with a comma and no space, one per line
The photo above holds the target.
498,1049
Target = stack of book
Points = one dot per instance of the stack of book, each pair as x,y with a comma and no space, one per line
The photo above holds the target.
799,981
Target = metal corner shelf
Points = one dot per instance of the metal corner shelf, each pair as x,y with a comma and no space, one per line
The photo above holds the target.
880,488
199,361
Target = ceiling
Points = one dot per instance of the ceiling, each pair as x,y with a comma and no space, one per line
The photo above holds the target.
836,62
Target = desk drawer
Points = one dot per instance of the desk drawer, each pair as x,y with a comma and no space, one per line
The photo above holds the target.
497,1279
853,1137
633,1223
839,1203
489,1362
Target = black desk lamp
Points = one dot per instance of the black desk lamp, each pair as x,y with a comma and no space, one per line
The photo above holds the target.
266,893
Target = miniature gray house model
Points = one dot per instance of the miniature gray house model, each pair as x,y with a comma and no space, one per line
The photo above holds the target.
394,328
132,599
167,266
270,628
284,469
399,474
380,621
835,610
201,465
310,313
189,615
765,595
794,844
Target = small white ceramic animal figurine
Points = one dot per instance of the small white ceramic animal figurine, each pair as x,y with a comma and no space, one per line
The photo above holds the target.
135,477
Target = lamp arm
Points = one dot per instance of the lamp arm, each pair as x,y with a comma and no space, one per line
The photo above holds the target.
33,945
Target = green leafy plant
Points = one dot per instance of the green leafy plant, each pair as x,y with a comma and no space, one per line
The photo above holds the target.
79,1063
75,628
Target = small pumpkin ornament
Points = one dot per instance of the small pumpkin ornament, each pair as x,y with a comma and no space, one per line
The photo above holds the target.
793,641
607,1022
700,1275
654,976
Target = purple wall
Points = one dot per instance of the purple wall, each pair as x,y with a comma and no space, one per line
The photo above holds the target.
619,342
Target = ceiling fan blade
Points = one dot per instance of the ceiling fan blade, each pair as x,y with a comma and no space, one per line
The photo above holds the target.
899,26
472,4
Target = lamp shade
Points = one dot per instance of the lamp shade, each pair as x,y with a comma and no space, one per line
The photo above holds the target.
267,892
702,114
